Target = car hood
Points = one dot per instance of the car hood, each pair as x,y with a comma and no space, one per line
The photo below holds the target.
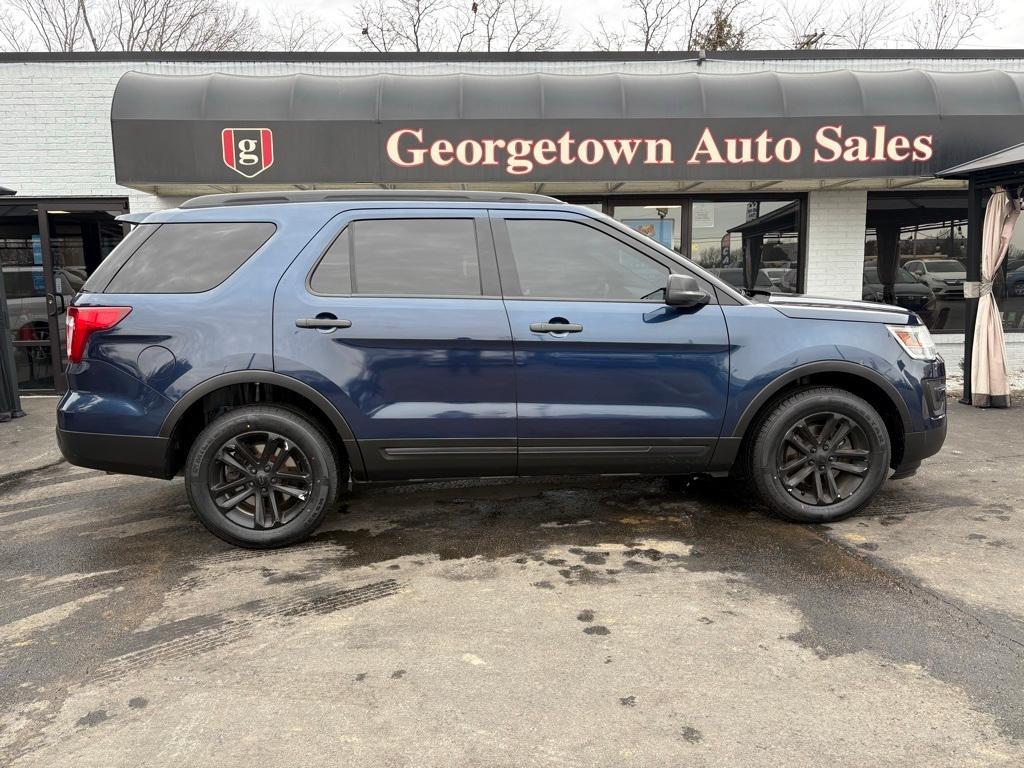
825,308
902,289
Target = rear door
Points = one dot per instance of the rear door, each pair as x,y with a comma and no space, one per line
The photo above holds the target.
630,385
396,317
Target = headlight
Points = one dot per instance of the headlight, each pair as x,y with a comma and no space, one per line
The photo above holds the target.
915,340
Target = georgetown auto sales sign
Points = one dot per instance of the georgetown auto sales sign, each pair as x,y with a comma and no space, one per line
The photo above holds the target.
596,150
408,148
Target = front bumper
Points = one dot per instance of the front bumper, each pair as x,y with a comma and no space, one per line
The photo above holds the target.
918,446
124,454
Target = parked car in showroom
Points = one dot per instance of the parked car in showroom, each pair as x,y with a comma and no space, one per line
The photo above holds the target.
1015,282
944,277
909,291
768,279
273,347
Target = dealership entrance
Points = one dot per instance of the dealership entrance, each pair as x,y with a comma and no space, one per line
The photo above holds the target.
48,247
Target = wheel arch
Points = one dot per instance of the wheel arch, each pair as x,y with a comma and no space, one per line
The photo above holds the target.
316,403
857,379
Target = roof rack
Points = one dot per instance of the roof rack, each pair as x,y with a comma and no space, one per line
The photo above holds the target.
356,195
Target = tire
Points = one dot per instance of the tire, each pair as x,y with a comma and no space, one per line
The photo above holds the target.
234,495
786,474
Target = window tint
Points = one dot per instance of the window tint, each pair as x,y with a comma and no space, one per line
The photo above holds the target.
566,260
117,257
189,258
402,257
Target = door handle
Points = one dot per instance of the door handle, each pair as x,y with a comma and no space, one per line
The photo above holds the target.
556,327
322,322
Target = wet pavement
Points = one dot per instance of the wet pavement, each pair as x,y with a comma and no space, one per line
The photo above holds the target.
566,621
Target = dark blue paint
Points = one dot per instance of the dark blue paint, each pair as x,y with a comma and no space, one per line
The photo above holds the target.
466,368
636,370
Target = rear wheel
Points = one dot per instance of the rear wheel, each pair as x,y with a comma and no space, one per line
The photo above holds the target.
819,455
262,476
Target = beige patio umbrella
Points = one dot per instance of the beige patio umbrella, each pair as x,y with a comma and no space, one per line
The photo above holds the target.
990,386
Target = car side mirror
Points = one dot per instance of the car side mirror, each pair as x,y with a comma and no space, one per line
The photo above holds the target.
685,291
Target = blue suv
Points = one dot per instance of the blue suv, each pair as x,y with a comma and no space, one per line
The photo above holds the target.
275,347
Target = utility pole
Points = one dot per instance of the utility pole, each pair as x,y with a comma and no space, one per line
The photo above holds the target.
810,41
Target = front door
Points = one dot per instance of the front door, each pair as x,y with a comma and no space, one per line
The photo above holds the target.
609,378
398,320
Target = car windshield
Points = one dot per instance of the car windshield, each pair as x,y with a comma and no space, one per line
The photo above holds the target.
902,276
944,266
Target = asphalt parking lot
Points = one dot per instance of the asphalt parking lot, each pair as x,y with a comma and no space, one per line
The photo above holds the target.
563,622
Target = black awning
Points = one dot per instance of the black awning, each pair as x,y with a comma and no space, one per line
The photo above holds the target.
782,219
541,127
996,160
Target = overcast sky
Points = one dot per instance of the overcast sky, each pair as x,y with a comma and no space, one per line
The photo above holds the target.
580,14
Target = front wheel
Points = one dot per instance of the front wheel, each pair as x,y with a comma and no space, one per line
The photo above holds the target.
819,455
261,476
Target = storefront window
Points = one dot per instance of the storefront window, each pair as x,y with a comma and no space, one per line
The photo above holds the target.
753,244
1008,287
927,234
662,223
749,243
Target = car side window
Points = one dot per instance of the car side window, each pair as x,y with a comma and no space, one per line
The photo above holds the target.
204,255
401,257
557,259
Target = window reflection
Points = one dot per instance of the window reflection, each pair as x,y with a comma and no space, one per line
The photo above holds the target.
922,240
661,223
751,244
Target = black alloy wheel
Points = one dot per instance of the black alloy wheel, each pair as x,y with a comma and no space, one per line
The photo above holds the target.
260,480
262,476
824,458
818,454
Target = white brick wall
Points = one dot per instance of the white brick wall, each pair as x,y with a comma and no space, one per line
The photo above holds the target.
835,243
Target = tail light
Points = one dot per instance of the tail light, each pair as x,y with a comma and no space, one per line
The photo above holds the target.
84,321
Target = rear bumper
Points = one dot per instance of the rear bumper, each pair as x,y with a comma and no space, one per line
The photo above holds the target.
125,454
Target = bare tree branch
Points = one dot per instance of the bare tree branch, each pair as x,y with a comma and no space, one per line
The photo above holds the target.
298,30
517,25
57,24
13,35
178,25
606,38
948,23
647,26
88,25
374,25
804,25
870,24
455,25
404,25
139,25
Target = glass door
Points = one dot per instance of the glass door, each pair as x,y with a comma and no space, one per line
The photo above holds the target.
21,261
79,238
47,249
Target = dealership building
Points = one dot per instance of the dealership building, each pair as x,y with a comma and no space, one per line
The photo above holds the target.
810,172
